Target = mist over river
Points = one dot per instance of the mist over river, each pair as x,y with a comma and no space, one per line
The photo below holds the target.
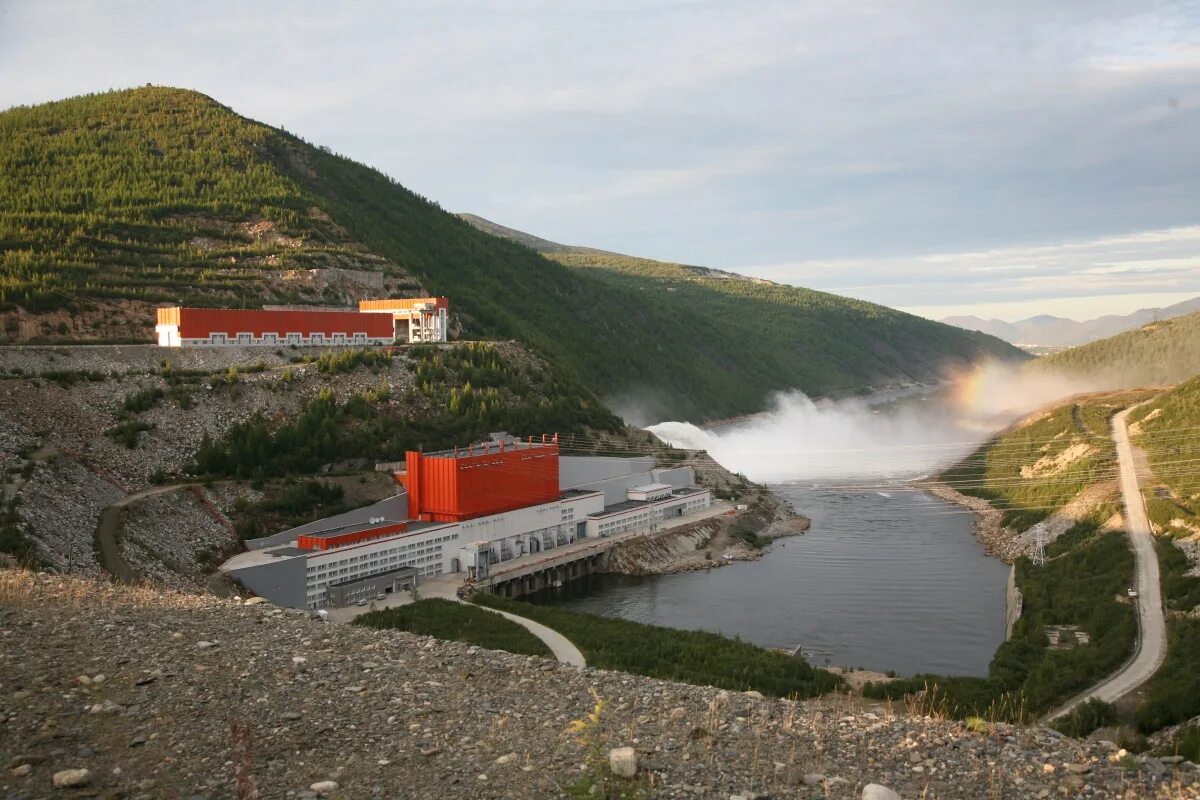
880,582
888,577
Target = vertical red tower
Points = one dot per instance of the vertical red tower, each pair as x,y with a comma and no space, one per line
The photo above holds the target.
480,480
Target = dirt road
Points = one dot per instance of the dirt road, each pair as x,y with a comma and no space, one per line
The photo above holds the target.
1152,627
109,526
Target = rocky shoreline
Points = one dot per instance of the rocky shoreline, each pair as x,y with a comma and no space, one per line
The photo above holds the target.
987,521
141,693
705,545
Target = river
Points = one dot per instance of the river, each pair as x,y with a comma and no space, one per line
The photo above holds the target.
886,579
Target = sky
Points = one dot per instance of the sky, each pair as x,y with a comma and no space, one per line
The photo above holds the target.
1004,159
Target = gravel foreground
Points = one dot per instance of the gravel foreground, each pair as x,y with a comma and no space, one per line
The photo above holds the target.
144,694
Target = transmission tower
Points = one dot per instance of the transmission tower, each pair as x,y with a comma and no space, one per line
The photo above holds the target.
1039,545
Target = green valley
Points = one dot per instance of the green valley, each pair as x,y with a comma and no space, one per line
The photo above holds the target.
112,203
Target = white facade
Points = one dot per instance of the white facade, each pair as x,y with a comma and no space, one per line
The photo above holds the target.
428,324
435,550
276,569
647,515
424,550
168,336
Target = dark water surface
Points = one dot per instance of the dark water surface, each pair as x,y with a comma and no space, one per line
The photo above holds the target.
880,582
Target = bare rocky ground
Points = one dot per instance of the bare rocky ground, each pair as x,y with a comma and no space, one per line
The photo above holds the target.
48,408
162,695
172,539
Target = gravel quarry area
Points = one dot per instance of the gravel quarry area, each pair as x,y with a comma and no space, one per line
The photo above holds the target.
109,691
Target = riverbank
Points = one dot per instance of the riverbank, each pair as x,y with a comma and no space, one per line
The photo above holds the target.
707,544
988,522
1009,544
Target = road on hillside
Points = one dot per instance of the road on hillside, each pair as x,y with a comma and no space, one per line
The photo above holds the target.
109,526
1151,646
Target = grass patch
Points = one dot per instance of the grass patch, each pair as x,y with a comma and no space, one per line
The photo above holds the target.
1086,718
1174,693
1016,470
144,400
698,657
462,393
1174,505
444,619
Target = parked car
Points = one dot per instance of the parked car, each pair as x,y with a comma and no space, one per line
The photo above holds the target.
361,603
1131,592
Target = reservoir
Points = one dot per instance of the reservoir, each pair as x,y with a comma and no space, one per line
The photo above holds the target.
886,579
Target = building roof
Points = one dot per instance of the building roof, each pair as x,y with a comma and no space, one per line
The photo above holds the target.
629,505
650,487
355,528
490,448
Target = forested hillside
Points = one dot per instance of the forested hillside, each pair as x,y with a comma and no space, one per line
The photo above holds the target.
112,203
768,334
1160,353
1168,429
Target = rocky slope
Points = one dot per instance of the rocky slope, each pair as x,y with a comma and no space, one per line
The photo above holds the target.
87,433
149,695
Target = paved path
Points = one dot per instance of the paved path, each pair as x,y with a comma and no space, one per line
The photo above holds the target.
560,645
1152,626
445,587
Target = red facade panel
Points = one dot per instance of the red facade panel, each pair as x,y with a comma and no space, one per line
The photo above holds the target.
454,488
309,542
200,323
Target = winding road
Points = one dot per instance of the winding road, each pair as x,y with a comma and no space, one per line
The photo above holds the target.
1151,646
108,530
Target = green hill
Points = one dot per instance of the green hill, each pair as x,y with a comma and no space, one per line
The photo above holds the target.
1168,429
114,202
773,335
1161,353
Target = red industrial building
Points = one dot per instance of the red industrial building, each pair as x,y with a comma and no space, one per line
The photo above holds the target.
184,327
464,511
484,479
417,319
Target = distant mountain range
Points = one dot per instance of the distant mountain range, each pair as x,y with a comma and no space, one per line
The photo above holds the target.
1049,331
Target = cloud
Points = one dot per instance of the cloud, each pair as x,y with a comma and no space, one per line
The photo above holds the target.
845,140
1166,260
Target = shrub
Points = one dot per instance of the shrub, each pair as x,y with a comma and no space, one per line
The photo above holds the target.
698,657
1086,718
446,619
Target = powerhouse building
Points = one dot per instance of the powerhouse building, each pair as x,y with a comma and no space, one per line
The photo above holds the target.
463,511
422,319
